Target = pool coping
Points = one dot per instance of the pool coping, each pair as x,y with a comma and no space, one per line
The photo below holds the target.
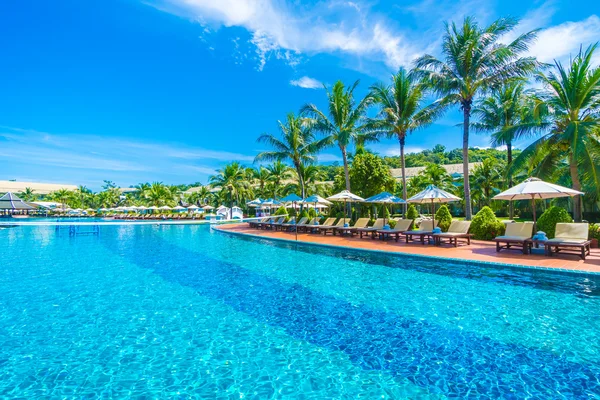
421,256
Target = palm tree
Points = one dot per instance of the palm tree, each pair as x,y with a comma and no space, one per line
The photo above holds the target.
401,112
63,195
474,63
506,114
572,100
231,179
487,179
345,123
261,178
28,194
435,174
297,145
159,195
278,174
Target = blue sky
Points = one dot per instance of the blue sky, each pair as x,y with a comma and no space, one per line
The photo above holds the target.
170,90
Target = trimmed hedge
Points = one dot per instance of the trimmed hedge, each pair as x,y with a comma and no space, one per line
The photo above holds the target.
281,211
552,216
443,217
485,225
412,212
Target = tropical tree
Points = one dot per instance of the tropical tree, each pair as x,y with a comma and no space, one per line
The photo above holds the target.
486,180
435,174
507,115
344,122
475,61
572,98
401,112
278,174
62,195
297,144
28,194
233,183
159,194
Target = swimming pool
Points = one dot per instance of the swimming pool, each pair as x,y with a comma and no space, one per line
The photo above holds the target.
168,311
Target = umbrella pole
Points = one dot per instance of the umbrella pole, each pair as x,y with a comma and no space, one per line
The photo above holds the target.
296,222
534,216
433,212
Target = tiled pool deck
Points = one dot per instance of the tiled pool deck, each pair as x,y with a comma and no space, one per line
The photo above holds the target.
478,250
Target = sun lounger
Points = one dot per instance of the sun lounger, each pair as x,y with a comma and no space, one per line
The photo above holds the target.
279,226
570,237
291,225
425,231
371,230
254,223
352,230
402,225
307,227
331,227
517,235
457,230
272,223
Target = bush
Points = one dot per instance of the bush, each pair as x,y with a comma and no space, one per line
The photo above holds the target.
304,214
392,223
444,218
548,220
312,213
412,212
281,211
594,232
339,214
485,225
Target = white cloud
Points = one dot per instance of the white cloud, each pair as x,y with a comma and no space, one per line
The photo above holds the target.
307,83
285,30
561,41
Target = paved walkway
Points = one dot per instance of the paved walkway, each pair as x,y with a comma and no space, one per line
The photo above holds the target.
477,251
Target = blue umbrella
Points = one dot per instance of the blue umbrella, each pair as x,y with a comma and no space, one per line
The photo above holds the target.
385,198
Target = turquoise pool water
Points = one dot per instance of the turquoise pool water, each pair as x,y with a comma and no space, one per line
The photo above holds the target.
183,311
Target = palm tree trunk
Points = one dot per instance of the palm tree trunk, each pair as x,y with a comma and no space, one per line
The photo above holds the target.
467,187
577,214
403,166
511,206
346,172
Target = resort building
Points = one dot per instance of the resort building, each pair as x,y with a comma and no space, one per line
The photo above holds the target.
454,170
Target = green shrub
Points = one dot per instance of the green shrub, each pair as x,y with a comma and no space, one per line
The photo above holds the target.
281,211
339,214
548,220
594,232
391,223
412,212
485,225
312,213
304,214
443,217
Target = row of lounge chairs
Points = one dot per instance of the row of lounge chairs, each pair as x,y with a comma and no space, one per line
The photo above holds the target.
458,229
570,238
178,216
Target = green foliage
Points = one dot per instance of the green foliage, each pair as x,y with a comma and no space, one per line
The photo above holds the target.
312,213
485,225
548,220
305,214
392,223
281,211
369,175
443,217
594,232
412,212
339,214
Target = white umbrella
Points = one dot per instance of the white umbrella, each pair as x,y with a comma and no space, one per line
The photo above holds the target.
179,208
193,207
534,188
345,196
433,194
164,208
207,207
385,198
153,208
142,208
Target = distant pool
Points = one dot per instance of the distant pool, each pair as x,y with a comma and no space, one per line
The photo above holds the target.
175,311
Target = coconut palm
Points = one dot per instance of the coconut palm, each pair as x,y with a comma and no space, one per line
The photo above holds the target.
159,194
474,62
233,183
297,144
435,174
344,123
28,194
63,195
572,97
401,112
486,180
506,115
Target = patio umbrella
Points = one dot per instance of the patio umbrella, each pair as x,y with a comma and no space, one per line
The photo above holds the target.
316,199
433,194
193,207
345,196
179,208
164,208
293,198
385,198
534,188
12,202
254,203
